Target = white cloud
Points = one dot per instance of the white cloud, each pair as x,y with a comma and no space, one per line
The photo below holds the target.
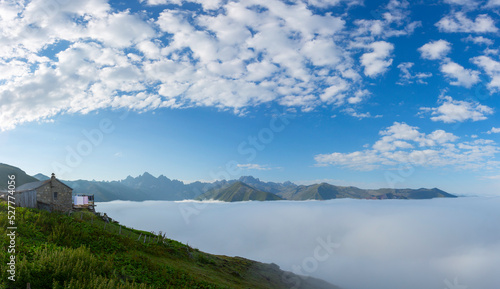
404,144
232,57
450,110
459,75
406,76
411,244
493,3
497,177
331,3
458,22
120,30
479,40
378,60
306,102
206,4
359,96
492,68
352,112
494,130
396,19
253,167
435,49
78,57
334,93
391,20
470,3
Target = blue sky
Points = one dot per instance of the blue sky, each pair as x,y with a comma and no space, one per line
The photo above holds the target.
371,94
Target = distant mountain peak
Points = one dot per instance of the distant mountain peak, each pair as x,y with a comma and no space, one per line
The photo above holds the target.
148,187
237,192
250,179
41,177
147,175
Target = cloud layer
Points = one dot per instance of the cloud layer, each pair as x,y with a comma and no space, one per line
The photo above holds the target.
351,243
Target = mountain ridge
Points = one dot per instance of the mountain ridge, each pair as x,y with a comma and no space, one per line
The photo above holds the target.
325,191
147,187
237,192
21,176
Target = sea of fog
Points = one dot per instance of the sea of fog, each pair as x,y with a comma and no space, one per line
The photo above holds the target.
355,244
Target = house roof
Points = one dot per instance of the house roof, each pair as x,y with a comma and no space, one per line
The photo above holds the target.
36,185
31,186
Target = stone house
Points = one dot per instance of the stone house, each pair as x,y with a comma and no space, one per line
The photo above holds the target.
51,195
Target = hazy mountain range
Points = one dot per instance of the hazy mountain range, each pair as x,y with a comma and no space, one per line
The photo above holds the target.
241,191
148,187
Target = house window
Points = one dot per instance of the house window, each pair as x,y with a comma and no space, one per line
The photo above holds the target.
55,195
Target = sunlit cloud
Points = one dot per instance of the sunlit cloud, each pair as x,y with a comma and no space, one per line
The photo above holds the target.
405,144
435,49
450,110
494,130
459,22
492,69
75,58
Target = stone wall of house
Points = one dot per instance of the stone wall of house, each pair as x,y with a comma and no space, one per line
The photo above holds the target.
64,201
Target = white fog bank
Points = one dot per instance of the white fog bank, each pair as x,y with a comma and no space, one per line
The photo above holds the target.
355,244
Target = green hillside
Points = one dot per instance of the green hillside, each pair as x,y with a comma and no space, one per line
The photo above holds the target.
21,176
324,191
421,193
238,192
80,251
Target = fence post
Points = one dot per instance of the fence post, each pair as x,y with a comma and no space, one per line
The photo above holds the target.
139,237
119,233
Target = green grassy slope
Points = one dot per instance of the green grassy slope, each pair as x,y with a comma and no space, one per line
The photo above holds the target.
238,192
413,194
81,251
21,176
326,191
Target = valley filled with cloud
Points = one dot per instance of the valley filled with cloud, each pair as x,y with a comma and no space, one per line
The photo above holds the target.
355,244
